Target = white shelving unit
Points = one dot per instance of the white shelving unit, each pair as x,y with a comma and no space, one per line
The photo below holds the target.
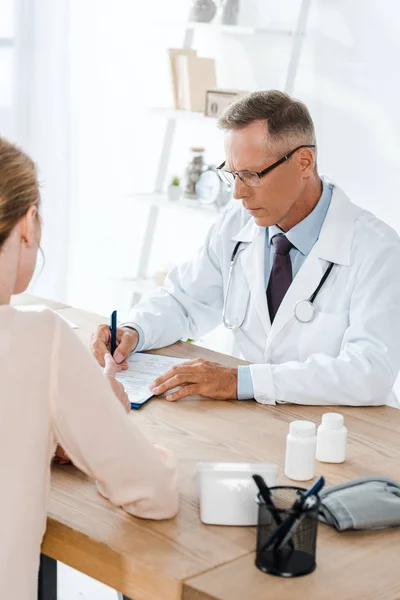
157,200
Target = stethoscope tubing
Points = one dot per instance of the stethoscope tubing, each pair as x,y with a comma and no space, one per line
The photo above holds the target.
310,300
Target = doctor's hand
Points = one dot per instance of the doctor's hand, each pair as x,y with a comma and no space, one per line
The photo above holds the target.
200,377
100,345
110,371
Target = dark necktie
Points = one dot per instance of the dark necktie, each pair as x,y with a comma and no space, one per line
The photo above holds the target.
281,274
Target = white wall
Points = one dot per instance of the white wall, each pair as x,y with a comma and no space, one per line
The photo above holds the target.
350,79
42,126
7,32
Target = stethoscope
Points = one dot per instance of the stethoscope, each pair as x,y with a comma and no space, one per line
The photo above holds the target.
304,310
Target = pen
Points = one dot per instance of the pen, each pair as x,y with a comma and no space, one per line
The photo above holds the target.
113,329
267,497
308,505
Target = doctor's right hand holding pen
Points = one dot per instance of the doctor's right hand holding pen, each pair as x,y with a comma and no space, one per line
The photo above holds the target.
126,338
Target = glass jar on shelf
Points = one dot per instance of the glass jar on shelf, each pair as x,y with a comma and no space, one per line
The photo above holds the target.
228,11
193,171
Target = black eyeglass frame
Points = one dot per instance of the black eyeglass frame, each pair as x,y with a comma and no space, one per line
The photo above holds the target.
260,174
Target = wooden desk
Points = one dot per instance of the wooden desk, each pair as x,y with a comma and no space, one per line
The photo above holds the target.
27,299
182,558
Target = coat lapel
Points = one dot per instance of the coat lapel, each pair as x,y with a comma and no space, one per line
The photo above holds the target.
252,260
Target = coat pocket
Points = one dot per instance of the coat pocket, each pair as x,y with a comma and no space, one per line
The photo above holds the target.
324,334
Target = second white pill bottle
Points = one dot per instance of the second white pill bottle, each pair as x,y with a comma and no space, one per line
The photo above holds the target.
331,439
301,445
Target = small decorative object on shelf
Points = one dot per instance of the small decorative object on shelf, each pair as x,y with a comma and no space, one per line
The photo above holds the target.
193,171
229,10
202,11
174,190
210,189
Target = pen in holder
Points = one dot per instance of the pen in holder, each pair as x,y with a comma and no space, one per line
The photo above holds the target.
287,548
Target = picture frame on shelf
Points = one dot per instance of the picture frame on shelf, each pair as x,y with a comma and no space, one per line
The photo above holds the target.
217,101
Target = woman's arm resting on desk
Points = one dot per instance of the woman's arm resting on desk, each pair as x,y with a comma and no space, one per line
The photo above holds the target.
110,371
102,440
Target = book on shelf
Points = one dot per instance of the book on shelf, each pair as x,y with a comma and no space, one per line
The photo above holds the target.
191,77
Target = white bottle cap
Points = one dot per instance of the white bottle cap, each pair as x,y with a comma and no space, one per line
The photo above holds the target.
332,420
302,429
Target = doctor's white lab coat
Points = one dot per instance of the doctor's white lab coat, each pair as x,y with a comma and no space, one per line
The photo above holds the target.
349,354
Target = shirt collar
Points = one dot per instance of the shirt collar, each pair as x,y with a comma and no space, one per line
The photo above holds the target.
304,235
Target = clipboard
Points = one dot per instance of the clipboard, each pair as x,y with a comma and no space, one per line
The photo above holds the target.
143,369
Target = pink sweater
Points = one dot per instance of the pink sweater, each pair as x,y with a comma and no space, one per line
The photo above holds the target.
53,391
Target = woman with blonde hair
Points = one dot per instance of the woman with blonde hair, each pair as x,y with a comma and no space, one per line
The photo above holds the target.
53,392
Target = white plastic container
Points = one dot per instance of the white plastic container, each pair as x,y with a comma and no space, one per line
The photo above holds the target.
301,445
331,438
227,491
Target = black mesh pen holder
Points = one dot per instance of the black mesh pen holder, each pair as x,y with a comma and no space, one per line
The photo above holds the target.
293,555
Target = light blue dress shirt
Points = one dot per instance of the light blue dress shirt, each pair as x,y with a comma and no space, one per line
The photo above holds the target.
303,237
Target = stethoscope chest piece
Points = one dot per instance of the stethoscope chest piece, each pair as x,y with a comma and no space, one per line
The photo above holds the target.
304,311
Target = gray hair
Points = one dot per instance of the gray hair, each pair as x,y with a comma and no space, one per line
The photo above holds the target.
287,120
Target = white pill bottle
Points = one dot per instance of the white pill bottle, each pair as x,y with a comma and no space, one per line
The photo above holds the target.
301,445
331,439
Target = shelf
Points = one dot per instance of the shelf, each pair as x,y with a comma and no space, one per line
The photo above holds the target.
274,29
161,200
238,29
172,113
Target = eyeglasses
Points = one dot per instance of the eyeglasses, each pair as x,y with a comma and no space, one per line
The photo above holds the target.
252,178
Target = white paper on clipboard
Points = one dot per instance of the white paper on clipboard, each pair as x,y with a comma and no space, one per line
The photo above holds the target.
142,370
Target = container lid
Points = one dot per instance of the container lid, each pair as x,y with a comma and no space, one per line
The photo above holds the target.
228,467
302,429
333,420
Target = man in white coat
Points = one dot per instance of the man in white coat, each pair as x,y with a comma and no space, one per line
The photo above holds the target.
308,282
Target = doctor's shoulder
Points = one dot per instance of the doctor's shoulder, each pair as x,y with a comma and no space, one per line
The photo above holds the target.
375,239
232,220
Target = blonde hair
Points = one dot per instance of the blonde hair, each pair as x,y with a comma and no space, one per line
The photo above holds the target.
19,187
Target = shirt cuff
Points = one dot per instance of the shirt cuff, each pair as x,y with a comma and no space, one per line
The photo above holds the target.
245,389
140,343
263,383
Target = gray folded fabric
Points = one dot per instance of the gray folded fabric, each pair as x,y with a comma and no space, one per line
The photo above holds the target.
366,503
